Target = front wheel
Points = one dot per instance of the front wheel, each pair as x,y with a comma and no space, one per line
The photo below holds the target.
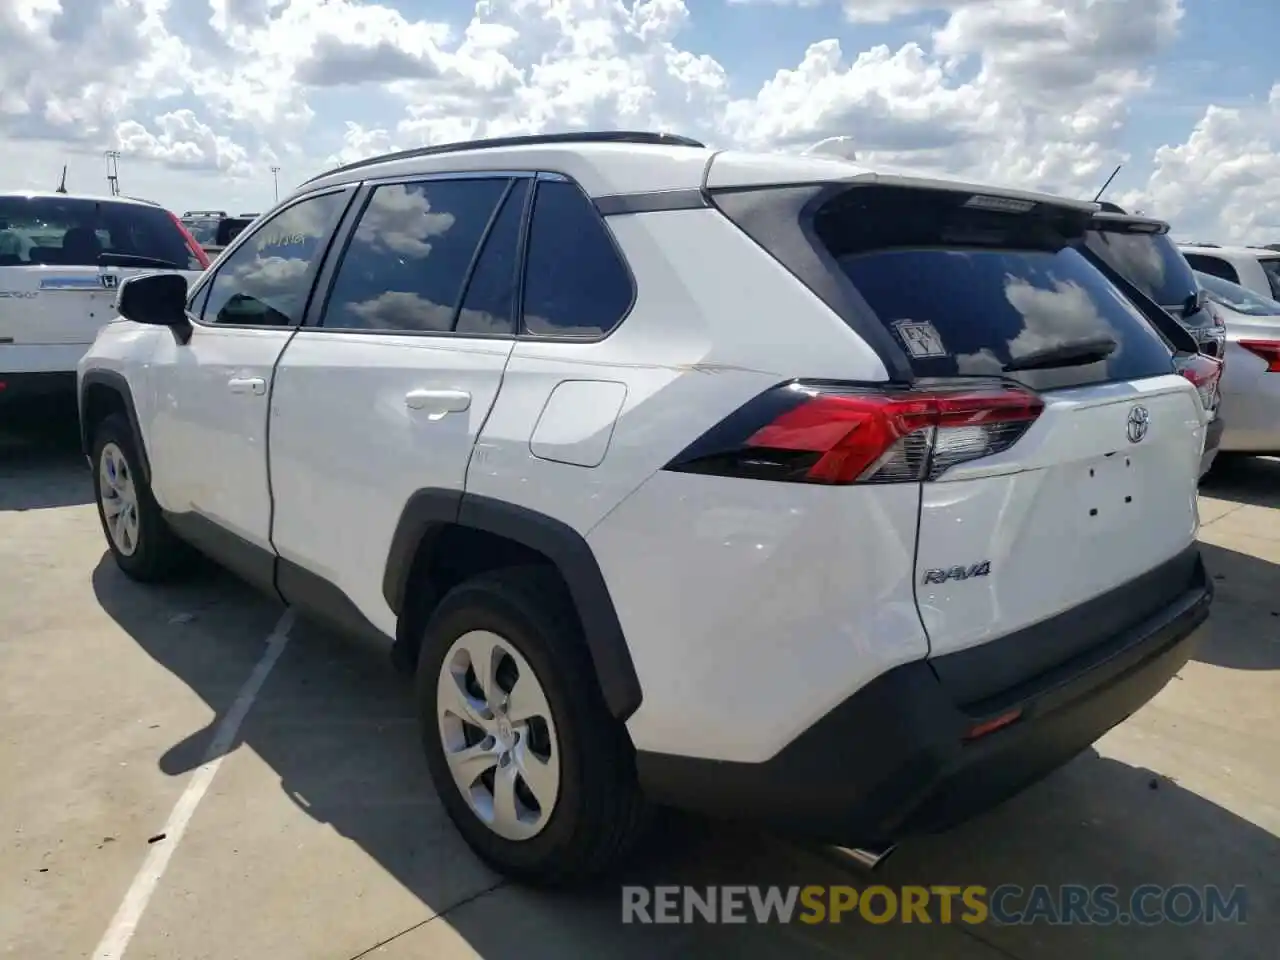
533,770
141,542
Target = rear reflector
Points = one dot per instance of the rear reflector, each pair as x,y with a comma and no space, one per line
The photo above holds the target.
831,433
1268,350
992,725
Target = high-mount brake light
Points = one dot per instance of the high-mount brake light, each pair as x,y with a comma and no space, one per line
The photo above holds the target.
981,201
197,251
840,434
1268,350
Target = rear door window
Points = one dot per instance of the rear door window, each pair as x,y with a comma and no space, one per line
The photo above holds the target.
1214,266
1271,267
74,232
969,292
1150,261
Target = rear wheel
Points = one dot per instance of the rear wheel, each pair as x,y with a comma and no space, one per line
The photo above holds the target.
537,775
139,539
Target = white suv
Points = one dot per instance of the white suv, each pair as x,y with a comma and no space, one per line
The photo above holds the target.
754,484
62,257
1254,268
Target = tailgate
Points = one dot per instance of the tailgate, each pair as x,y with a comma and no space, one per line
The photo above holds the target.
1100,490
43,305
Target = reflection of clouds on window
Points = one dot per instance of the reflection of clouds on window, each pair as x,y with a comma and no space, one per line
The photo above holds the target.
1063,313
271,276
399,218
545,326
397,310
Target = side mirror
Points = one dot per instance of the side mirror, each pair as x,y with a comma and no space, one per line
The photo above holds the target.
157,299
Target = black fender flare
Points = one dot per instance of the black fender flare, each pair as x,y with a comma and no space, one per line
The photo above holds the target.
118,384
429,511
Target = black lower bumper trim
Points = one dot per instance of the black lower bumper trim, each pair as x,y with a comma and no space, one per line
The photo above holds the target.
893,761
24,386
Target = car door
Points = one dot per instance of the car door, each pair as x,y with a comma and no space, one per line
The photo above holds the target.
385,389
210,394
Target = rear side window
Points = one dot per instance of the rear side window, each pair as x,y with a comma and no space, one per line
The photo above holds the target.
1238,298
1150,261
967,292
1271,267
1214,266
576,284
74,232
409,256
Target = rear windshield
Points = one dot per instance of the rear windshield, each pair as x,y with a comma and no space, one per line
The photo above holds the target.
203,229
1237,298
68,231
1150,261
968,292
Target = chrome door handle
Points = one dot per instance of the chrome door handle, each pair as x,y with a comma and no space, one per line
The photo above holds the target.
437,403
254,385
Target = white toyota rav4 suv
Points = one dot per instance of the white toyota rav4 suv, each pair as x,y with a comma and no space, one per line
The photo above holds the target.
754,484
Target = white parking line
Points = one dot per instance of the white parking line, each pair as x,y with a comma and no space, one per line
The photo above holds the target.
116,940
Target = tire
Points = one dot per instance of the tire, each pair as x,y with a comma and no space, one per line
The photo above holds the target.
598,811
150,553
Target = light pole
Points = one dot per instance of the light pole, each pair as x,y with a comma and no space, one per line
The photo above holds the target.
113,171
275,182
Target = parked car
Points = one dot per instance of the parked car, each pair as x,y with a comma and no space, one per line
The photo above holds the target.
1251,382
1136,253
62,257
1254,268
675,483
215,229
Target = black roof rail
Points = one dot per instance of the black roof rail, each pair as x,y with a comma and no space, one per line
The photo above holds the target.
531,140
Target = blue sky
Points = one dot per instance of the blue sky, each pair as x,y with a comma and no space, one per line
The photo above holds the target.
202,97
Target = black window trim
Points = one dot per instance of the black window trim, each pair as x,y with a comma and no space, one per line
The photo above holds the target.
345,230
205,283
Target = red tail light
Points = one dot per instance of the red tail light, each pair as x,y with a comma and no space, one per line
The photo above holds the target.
197,251
841,434
1205,373
1268,350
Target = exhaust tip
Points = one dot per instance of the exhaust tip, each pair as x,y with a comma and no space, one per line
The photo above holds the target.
869,858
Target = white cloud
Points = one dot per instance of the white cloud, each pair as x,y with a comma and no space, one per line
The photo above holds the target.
1223,181
1029,92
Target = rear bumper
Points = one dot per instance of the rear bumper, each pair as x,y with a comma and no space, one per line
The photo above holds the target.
893,760
33,386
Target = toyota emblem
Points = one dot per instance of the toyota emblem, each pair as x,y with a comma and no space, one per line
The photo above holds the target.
1139,421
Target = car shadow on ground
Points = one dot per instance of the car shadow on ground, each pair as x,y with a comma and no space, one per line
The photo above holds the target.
336,724
1247,480
41,465
1244,628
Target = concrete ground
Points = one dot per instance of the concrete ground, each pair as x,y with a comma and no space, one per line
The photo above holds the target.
321,836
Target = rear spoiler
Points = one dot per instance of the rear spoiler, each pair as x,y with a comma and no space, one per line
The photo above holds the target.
1127,223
